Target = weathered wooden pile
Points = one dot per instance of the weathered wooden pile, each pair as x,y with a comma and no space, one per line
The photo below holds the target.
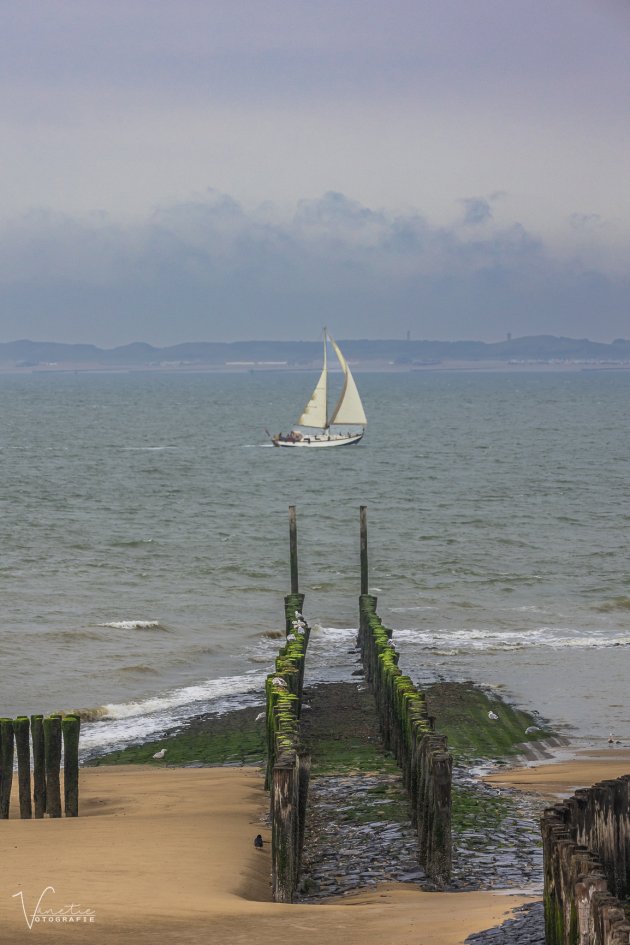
586,845
407,732
288,768
45,735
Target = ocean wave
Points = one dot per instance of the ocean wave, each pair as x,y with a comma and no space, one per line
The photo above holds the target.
208,690
88,715
617,603
139,670
446,642
120,724
133,625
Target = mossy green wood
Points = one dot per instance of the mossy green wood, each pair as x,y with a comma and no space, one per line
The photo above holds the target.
52,750
39,765
22,729
70,728
6,766
405,724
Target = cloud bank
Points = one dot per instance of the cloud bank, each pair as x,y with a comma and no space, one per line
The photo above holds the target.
211,270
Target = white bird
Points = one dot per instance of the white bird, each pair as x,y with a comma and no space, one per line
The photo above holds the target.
160,754
291,636
261,716
298,615
301,631
279,681
493,716
611,738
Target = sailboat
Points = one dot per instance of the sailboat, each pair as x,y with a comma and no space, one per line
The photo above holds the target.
348,411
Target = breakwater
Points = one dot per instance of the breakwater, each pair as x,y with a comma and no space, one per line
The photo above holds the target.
407,731
287,772
40,790
586,844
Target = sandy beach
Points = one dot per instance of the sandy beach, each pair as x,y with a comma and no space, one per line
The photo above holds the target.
167,856
562,778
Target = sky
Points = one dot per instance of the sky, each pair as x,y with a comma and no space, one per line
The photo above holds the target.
207,170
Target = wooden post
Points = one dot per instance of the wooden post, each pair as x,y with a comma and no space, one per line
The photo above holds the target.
70,727
364,549
293,549
22,729
52,750
6,766
283,852
39,765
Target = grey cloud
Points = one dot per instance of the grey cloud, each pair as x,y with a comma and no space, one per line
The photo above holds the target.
476,210
209,270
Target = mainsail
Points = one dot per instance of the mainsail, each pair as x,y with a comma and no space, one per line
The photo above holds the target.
348,410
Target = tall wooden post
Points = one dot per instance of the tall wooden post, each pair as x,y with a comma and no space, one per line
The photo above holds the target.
364,550
70,727
293,549
39,765
6,766
52,751
22,729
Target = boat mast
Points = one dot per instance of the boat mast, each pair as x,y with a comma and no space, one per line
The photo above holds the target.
325,373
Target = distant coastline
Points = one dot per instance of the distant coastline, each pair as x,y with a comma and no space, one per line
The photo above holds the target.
532,353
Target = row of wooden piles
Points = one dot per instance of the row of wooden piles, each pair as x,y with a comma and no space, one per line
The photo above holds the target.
407,731
40,739
288,769
586,847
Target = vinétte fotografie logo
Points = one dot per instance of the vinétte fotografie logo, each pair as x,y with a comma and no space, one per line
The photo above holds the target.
69,914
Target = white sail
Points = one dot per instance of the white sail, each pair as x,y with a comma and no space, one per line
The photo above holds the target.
349,409
315,413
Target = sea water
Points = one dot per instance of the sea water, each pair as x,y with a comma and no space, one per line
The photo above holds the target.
144,552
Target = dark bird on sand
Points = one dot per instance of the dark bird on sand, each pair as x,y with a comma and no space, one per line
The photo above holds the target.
258,842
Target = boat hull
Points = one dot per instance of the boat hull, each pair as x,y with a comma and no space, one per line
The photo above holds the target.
320,441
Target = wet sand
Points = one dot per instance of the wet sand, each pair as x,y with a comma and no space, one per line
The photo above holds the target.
562,778
166,856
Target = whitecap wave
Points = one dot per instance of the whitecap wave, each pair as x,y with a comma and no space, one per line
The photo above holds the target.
445,641
119,724
133,625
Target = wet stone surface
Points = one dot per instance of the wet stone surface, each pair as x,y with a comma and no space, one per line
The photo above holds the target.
527,927
358,834
498,847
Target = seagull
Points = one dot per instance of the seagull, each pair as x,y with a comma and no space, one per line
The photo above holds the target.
611,738
493,716
159,754
279,681
291,636
258,842
298,615
260,716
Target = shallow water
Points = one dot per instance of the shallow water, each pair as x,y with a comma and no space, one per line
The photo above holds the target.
145,535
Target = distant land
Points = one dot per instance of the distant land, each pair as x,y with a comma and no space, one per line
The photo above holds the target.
533,351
